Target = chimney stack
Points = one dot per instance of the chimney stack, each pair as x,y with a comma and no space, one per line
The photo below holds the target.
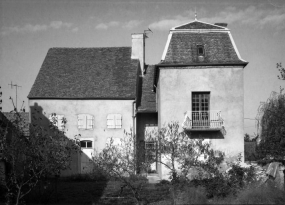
138,49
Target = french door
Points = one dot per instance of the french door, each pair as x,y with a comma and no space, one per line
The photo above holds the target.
200,110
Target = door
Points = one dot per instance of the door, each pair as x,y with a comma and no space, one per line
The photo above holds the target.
86,155
200,110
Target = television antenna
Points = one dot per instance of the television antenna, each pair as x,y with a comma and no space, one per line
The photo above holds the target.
147,31
17,86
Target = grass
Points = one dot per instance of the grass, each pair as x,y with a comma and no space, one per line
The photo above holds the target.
92,192
88,191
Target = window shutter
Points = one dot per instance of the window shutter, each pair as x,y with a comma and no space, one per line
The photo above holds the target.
118,119
80,119
111,121
53,120
60,124
89,121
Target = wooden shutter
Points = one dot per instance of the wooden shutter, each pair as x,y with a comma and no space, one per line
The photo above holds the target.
111,121
89,121
51,119
118,120
60,124
80,119
57,121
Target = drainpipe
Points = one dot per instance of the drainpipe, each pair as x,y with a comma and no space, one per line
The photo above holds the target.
134,133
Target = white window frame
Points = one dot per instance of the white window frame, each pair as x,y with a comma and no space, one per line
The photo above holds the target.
114,121
87,140
85,122
58,121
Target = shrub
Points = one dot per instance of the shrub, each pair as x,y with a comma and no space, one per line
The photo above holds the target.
227,183
255,194
192,195
264,194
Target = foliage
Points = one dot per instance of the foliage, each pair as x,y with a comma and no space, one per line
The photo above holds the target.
254,194
247,138
88,177
264,194
281,70
45,152
118,161
272,144
179,153
227,183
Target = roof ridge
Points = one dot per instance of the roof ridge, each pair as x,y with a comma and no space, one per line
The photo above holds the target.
196,21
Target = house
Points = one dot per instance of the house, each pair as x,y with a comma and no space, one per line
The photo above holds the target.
103,91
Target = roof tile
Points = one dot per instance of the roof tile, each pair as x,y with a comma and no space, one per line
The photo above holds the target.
148,96
86,73
218,48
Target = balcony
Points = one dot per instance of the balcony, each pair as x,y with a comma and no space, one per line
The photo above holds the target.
203,121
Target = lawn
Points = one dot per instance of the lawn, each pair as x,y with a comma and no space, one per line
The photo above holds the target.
88,192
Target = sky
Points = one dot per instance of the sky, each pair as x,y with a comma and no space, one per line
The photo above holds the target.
28,28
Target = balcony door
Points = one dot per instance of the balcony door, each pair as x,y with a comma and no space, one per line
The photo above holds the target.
200,110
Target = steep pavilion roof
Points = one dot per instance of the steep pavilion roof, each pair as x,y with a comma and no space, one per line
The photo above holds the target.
218,44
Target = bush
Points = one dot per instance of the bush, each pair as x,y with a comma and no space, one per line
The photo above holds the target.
93,176
227,183
192,195
255,194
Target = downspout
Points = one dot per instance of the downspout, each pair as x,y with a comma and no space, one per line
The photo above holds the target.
134,134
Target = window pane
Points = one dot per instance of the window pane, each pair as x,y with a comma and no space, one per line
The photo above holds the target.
82,143
89,144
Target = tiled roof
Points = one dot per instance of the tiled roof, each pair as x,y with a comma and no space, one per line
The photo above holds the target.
218,48
148,97
23,121
87,73
198,25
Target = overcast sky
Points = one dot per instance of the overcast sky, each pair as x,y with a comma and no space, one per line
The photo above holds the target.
29,28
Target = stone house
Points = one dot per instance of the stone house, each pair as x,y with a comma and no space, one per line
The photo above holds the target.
103,91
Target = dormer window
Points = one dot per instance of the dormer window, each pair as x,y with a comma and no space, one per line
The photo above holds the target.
200,50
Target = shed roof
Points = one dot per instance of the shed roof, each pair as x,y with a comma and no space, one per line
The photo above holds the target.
87,73
147,95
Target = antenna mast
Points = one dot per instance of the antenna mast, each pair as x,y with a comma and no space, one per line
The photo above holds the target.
17,86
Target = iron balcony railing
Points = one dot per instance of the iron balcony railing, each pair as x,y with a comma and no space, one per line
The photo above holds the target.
205,120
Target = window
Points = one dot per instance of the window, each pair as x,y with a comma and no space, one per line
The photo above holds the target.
200,50
58,120
151,143
114,121
85,121
200,109
86,144
151,156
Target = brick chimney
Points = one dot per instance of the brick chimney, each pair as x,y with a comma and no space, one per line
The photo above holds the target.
138,49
